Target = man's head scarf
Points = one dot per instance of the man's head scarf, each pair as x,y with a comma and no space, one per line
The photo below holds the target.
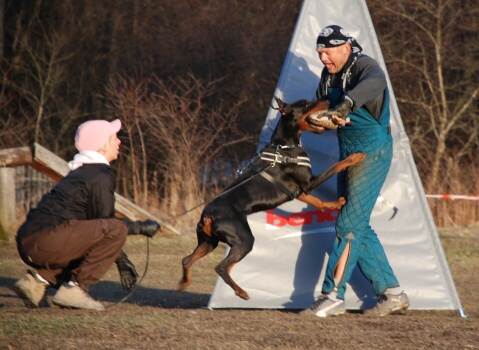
333,36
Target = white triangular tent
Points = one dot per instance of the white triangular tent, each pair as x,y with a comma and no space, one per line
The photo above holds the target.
286,267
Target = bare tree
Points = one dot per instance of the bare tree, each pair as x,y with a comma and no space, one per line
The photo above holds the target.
189,136
127,100
174,136
431,42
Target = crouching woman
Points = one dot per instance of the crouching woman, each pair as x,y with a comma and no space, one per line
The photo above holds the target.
72,237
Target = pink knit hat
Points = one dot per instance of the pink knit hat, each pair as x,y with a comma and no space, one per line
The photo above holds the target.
93,134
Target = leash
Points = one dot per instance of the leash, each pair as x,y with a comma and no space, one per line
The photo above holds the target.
217,196
130,293
239,172
275,158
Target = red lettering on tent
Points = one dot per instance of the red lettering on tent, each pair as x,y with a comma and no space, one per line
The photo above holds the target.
302,218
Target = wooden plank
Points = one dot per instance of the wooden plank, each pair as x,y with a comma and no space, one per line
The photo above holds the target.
130,210
56,168
49,163
8,212
12,157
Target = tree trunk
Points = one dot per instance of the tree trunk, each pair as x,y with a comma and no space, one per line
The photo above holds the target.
2,33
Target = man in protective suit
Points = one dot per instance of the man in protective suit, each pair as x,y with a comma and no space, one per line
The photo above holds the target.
356,88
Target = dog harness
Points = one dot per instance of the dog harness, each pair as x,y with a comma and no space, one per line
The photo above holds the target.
276,158
279,158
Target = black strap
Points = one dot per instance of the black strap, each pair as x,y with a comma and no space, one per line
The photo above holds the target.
277,183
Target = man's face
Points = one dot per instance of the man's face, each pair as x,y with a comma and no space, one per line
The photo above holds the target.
334,58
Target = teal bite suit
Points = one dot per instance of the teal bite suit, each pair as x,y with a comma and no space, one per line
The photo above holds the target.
361,185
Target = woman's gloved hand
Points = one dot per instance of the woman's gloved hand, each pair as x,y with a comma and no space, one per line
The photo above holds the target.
146,228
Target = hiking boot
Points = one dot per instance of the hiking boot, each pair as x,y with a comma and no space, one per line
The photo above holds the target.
388,303
30,289
75,297
324,307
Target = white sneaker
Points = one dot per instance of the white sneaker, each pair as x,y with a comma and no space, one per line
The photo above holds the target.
76,298
324,307
30,289
388,304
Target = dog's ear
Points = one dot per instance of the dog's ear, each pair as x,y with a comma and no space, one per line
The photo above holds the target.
280,103
281,106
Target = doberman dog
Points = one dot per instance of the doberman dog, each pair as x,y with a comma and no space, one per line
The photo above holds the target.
279,173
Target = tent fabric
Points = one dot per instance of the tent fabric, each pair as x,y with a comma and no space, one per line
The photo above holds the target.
286,268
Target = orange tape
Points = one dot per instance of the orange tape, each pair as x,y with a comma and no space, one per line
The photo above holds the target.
453,196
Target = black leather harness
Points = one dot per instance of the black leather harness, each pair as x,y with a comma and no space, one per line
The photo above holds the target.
277,158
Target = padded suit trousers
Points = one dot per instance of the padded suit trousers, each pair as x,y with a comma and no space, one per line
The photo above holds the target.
81,251
361,185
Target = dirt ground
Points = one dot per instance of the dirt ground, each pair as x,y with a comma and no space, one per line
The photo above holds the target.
157,316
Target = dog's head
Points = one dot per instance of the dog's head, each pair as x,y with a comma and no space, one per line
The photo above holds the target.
296,114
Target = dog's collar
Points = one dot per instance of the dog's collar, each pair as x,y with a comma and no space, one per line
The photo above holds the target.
278,147
279,158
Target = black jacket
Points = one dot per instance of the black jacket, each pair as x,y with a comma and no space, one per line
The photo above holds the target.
84,194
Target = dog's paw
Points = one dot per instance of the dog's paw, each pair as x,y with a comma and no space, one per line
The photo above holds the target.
356,158
182,286
242,294
339,203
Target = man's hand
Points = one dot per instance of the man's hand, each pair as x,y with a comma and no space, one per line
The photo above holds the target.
128,274
338,120
319,123
317,129
344,108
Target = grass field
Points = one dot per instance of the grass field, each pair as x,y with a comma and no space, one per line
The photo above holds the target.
157,316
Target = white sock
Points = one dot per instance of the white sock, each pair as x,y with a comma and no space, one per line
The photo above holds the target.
72,284
40,278
394,291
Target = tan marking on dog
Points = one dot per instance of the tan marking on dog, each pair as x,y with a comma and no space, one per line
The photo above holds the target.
207,221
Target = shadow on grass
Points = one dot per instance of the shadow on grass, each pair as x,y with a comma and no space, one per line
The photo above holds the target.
111,292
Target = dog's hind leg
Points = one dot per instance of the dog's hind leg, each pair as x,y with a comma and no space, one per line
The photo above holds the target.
241,246
206,244
201,250
223,270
